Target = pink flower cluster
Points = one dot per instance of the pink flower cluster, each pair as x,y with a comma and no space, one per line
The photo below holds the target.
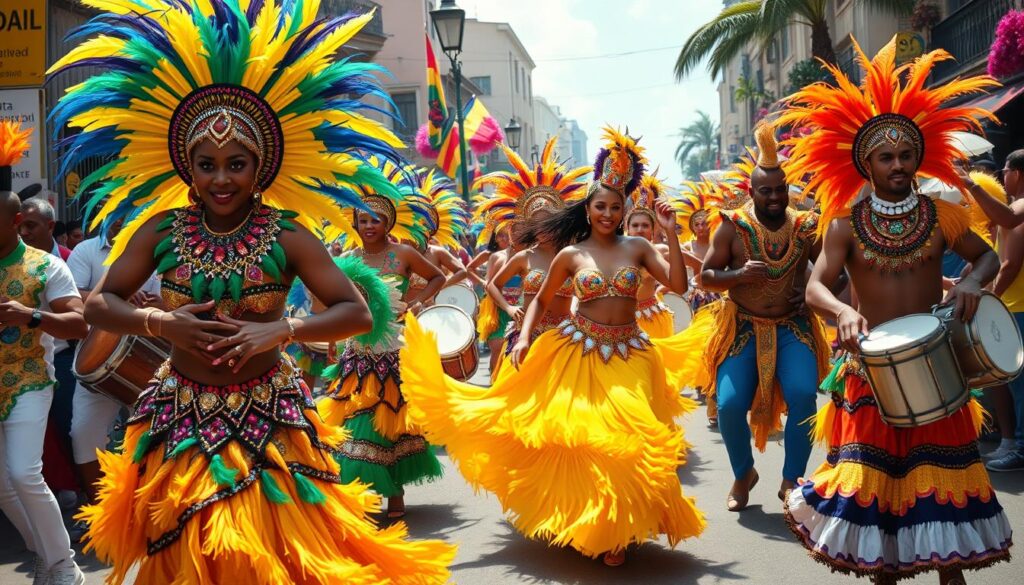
1007,55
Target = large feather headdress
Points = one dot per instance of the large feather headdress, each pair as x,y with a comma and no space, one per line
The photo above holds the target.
406,216
619,165
522,191
696,200
448,215
844,123
267,68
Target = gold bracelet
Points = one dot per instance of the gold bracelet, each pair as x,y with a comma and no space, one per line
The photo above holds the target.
291,329
145,322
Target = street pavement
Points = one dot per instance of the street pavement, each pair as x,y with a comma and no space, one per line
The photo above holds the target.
754,546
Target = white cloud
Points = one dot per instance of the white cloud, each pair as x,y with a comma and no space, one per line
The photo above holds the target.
636,90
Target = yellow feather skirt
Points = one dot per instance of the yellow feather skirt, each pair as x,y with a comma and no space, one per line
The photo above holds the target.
284,517
580,451
655,318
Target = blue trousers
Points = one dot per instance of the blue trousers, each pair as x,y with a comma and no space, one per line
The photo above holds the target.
1017,391
736,384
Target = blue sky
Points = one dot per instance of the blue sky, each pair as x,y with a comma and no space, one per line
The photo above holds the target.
637,90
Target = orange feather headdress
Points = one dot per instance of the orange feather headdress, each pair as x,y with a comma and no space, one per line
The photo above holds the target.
844,123
699,200
643,197
13,146
523,191
619,165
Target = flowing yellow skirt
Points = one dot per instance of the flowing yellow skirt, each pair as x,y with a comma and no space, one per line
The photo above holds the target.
270,516
580,450
656,320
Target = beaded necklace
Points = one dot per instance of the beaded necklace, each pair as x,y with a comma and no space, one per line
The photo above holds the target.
216,263
893,242
776,248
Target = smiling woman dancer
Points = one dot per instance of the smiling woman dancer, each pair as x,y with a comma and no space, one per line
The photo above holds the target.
226,472
527,196
583,425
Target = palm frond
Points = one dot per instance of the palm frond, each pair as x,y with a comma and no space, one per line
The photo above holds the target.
703,41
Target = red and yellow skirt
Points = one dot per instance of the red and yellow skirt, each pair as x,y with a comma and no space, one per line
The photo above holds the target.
897,501
238,484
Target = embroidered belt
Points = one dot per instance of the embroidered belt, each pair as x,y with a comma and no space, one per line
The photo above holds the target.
179,409
362,364
371,452
547,323
606,339
650,307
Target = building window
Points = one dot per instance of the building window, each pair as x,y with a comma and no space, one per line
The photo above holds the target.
405,103
785,43
732,99
484,83
515,73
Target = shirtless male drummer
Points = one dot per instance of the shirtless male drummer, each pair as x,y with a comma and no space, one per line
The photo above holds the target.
891,502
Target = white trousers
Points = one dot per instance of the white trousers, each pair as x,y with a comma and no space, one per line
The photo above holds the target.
92,419
24,497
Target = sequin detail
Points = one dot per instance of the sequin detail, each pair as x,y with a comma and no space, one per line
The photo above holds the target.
535,278
591,283
178,409
607,340
650,307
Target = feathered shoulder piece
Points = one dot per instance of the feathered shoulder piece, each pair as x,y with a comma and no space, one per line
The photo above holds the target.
843,123
523,191
619,165
265,74
447,211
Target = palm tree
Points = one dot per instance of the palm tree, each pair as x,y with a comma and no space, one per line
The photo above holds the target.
700,135
727,34
747,90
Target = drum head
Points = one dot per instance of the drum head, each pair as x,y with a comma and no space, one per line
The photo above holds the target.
681,312
458,296
452,326
96,349
902,333
996,331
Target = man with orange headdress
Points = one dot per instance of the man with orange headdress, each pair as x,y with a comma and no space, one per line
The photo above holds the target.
763,353
890,502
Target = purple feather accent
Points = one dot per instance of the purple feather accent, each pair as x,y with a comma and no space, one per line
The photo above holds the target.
602,156
254,10
638,173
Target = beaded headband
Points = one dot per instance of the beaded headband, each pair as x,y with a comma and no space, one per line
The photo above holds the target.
537,198
382,208
884,129
222,113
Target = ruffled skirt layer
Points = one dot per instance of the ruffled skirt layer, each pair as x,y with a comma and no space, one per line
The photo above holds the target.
383,449
655,319
898,501
239,485
579,444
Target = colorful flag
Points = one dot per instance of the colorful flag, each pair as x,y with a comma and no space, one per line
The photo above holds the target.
437,114
449,158
483,132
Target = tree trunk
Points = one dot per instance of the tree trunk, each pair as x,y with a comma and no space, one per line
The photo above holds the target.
821,43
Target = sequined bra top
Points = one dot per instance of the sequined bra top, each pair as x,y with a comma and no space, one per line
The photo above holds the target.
240,270
591,283
535,278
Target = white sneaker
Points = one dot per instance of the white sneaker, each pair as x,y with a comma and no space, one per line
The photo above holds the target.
66,574
998,453
67,500
39,571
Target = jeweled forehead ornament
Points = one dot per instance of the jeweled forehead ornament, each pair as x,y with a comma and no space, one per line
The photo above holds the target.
891,129
537,198
223,124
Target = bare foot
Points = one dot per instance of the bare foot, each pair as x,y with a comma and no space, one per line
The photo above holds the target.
615,559
740,493
396,507
787,486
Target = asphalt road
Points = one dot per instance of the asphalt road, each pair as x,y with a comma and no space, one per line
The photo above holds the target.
753,547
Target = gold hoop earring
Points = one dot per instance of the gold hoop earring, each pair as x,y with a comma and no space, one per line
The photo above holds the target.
588,219
257,197
193,197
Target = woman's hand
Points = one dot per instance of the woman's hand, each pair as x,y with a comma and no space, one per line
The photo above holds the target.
250,339
516,313
519,351
188,332
666,216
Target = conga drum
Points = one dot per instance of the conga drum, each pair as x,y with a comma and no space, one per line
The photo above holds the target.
118,366
460,296
988,347
912,370
681,312
456,339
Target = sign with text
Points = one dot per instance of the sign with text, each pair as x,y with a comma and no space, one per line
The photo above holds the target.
22,43
26,106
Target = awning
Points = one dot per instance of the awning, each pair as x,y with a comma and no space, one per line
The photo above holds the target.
998,99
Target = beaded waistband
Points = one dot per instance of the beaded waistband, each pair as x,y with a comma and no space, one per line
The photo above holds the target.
606,339
512,294
649,307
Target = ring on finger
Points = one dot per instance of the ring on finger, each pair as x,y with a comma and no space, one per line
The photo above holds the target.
231,363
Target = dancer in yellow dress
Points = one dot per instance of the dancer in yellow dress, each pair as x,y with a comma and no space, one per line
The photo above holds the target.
385,450
525,196
651,314
578,440
221,169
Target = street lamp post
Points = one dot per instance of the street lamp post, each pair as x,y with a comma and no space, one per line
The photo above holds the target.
449,22
512,134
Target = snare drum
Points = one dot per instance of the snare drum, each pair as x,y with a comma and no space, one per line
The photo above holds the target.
912,370
456,339
681,312
988,348
461,296
118,366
